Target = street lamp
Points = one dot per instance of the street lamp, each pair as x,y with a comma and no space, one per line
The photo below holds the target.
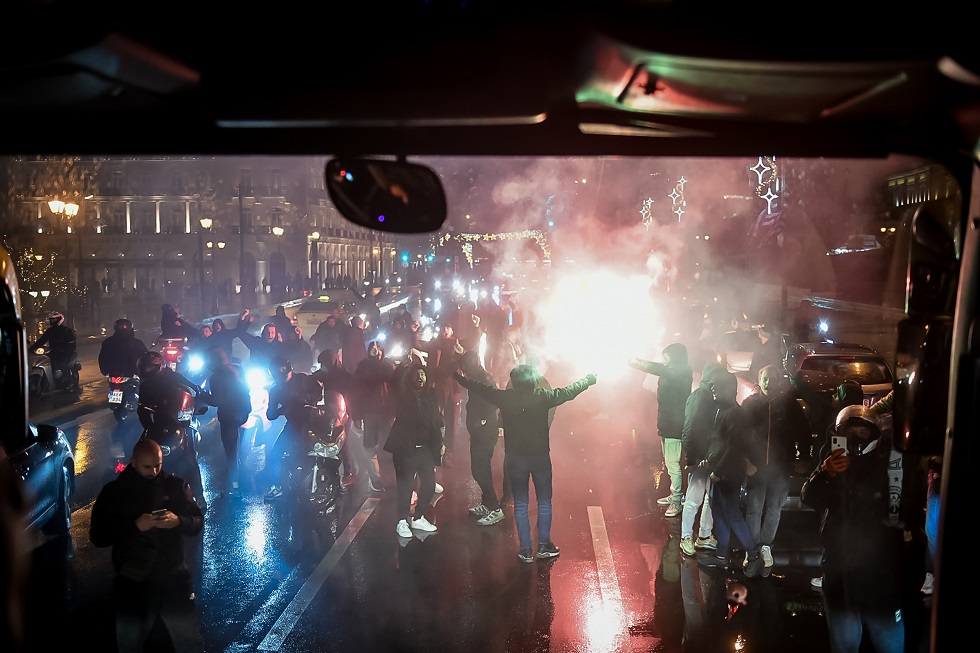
315,257
206,224
66,210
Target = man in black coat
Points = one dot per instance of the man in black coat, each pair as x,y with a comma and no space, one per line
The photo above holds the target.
121,350
144,515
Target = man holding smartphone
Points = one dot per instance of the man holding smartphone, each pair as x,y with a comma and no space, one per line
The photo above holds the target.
863,554
144,514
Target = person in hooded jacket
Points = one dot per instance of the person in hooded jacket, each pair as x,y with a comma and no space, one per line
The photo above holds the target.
282,322
327,335
297,349
673,389
483,424
263,347
222,336
416,446
121,350
336,380
228,392
172,325
728,464
699,415
374,376
353,345
863,560
524,410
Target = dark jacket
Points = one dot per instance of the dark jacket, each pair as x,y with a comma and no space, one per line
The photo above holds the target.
863,560
335,379
174,326
289,398
777,426
228,391
418,420
222,336
61,339
150,555
480,412
524,414
374,377
673,389
159,395
699,417
118,354
728,449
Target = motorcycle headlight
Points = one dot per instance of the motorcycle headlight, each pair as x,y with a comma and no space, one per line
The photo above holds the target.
257,378
195,363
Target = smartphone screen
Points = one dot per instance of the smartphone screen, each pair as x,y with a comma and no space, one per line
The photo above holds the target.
159,512
838,442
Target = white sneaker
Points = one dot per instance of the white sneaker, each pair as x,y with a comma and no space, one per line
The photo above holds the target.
403,529
927,585
816,582
423,524
766,555
439,489
491,517
415,497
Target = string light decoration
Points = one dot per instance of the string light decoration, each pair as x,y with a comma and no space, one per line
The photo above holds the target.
466,241
677,197
767,172
646,213
37,272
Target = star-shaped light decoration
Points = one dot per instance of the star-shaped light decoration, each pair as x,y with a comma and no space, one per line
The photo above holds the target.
646,213
769,197
760,169
679,211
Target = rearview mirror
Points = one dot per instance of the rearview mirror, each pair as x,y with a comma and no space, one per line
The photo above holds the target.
392,196
931,281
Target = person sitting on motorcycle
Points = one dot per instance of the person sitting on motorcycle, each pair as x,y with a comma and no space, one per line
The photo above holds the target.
61,339
172,325
292,392
121,350
157,385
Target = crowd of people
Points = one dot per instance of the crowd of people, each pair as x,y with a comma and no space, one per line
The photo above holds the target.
729,464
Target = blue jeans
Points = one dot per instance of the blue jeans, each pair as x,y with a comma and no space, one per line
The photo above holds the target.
885,630
768,490
728,518
538,469
698,488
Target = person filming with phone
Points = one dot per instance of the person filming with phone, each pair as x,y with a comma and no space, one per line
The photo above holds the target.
863,552
144,514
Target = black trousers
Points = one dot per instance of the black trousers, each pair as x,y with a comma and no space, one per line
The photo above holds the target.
483,439
409,465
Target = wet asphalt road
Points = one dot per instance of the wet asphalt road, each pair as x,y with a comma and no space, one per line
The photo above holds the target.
620,584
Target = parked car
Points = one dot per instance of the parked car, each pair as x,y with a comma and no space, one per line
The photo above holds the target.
816,369
43,462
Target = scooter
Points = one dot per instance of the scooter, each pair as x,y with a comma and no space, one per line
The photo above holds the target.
123,396
41,376
50,378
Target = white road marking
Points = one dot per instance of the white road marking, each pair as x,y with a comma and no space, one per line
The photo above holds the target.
287,620
606,568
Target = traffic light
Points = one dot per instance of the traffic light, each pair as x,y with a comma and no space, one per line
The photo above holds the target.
404,257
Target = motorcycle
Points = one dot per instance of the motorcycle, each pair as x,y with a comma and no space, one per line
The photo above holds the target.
314,482
173,350
43,376
176,429
123,396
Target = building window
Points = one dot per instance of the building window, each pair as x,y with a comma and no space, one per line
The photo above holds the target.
176,222
246,182
277,181
145,222
247,220
116,181
177,185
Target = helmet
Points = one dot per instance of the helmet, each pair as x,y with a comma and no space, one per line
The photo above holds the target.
849,393
279,368
149,362
123,325
856,413
55,318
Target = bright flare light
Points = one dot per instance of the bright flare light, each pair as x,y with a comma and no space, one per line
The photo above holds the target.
595,340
